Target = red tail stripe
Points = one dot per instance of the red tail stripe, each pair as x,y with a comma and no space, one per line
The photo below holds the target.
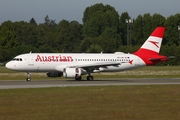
158,32
146,55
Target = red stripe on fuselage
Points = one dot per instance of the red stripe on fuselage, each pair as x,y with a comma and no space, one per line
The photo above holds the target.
147,56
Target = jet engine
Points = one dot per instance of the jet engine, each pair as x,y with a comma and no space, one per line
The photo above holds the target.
72,72
54,74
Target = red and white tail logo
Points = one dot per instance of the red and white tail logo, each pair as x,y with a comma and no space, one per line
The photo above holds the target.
149,51
153,43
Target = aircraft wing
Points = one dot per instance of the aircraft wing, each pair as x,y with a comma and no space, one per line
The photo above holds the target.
96,65
90,66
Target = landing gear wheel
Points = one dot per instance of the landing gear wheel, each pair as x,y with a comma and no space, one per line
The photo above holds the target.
78,78
28,79
90,78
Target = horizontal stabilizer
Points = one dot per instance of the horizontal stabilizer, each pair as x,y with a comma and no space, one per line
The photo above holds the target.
171,57
155,59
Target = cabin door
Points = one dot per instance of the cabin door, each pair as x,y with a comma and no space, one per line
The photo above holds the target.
30,60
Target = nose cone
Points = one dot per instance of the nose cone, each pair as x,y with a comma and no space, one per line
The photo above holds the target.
13,65
9,66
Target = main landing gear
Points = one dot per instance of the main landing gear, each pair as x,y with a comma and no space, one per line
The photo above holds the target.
89,78
78,78
28,77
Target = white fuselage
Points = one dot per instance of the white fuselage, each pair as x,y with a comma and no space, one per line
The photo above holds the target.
46,62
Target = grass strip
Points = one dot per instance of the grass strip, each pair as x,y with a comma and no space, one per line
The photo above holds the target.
157,102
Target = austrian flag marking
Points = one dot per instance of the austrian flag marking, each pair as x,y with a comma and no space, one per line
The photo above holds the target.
155,43
131,62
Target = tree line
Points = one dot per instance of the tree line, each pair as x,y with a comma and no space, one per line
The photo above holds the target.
102,29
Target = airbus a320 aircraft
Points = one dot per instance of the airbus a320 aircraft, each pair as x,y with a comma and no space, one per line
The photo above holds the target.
74,65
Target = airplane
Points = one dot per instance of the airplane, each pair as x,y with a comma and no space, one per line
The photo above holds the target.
74,65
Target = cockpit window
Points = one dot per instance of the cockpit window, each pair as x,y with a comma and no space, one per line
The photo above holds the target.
17,59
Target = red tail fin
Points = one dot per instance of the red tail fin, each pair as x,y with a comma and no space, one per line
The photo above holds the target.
153,44
149,51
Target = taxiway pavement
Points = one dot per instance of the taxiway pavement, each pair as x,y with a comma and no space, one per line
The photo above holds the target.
12,84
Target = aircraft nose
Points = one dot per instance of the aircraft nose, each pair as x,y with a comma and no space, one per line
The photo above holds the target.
8,65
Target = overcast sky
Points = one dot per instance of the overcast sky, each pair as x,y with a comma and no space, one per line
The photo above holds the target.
24,10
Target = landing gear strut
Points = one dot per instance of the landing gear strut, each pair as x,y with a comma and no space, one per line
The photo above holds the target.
28,77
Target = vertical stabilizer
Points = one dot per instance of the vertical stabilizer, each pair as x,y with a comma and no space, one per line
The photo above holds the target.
153,44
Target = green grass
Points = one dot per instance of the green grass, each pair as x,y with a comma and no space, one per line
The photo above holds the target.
148,102
143,102
5,70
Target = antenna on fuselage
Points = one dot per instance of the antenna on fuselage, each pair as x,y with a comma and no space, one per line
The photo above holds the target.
30,52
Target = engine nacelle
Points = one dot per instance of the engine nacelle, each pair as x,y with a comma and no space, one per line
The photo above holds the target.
54,74
72,72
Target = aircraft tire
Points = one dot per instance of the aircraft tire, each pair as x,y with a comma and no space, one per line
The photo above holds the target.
28,79
90,78
79,78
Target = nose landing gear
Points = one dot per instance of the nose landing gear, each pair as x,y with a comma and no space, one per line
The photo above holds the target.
28,77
